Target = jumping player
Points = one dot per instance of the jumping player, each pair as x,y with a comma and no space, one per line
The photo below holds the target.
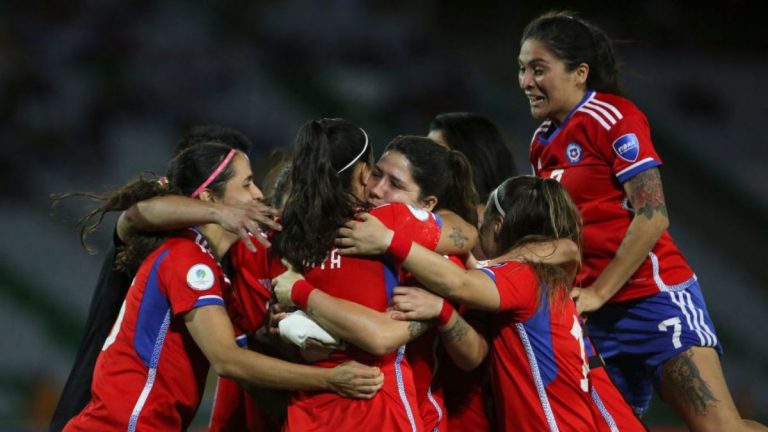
634,283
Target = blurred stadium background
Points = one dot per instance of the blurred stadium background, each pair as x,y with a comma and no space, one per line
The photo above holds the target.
94,92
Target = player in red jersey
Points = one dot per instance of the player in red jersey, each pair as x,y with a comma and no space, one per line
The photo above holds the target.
110,290
417,171
151,371
634,281
467,392
538,359
329,174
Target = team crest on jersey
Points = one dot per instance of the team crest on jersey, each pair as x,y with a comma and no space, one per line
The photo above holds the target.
627,147
573,152
200,277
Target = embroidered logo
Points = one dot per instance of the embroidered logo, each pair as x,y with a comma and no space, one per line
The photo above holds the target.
627,147
573,152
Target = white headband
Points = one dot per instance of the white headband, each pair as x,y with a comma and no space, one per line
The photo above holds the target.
496,202
365,146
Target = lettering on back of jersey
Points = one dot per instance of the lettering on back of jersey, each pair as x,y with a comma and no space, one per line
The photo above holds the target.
332,261
573,152
627,147
200,277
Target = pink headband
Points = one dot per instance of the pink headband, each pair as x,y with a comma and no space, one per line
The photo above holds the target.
215,173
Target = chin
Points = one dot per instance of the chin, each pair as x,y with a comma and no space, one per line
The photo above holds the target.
538,114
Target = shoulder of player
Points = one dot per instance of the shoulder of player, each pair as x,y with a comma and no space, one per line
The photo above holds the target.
183,250
394,211
607,110
512,270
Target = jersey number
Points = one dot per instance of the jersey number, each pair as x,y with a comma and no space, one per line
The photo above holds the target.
577,333
675,322
115,329
557,174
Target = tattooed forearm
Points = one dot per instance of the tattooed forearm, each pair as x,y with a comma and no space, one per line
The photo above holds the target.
417,328
685,379
458,237
646,194
457,332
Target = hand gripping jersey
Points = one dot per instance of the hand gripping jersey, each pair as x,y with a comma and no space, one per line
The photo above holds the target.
368,281
538,361
150,373
602,143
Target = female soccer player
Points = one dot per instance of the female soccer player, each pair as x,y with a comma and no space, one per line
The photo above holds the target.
635,282
152,368
425,175
538,359
481,142
329,173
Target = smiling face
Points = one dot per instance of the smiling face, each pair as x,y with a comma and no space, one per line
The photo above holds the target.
552,91
240,188
391,181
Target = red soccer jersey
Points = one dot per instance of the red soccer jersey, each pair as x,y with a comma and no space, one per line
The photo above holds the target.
422,355
234,409
538,362
368,281
150,373
601,144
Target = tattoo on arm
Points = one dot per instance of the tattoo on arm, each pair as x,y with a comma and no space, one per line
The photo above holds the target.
646,193
458,237
457,332
685,380
417,328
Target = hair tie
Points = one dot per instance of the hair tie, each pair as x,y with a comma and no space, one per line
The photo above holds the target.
496,202
215,173
365,146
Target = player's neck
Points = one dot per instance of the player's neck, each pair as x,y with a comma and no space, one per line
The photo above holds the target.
219,239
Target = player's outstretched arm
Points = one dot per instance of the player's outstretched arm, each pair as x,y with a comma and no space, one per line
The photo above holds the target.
212,331
172,212
465,345
372,331
368,236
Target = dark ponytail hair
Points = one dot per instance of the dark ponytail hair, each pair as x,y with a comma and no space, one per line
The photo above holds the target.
186,172
481,142
437,171
576,41
535,209
320,200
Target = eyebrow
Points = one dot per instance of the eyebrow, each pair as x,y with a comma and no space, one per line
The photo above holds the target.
534,61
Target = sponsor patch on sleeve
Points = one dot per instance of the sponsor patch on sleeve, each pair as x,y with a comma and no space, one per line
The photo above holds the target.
627,147
200,277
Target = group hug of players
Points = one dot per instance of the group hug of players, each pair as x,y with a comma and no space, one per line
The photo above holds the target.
407,301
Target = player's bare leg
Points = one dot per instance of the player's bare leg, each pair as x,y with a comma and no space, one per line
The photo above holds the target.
693,384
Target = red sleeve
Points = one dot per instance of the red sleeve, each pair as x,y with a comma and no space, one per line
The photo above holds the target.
419,225
190,278
518,288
